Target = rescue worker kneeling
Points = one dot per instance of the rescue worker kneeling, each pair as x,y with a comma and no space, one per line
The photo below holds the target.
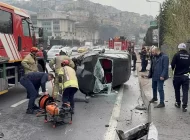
32,82
68,84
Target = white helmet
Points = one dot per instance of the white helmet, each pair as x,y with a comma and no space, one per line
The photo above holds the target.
63,52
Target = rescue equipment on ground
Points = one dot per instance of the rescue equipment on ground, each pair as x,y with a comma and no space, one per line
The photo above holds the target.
52,112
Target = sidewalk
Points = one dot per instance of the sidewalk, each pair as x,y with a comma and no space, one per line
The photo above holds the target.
172,123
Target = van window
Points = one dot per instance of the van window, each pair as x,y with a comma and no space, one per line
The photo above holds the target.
6,22
26,28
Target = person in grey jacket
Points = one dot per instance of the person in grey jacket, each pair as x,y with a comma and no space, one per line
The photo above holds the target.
159,74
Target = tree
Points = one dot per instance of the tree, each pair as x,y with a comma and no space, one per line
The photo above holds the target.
175,23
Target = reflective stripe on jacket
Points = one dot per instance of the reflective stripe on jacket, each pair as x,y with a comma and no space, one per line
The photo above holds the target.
67,78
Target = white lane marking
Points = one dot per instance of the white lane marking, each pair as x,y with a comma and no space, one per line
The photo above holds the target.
110,133
19,103
23,101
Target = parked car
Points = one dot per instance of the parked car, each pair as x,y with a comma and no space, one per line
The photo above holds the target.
74,49
56,47
52,53
82,49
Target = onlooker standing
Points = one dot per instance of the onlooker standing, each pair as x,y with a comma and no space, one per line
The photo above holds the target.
134,58
45,56
181,67
143,57
159,73
44,53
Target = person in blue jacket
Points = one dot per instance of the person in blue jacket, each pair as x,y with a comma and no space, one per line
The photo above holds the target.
32,82
159,74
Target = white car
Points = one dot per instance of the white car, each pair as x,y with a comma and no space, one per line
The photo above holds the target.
56,47
52,54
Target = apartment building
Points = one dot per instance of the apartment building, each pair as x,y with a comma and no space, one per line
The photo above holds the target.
56,23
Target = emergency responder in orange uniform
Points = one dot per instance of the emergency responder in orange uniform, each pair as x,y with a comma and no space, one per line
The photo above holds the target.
57,62
68,83
30,62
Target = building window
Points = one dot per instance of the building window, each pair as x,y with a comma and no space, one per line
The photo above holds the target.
44,23
25,27
49,34
6,22
55,21
56,28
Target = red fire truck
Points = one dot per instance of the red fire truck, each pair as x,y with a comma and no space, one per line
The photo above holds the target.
16,39
120,43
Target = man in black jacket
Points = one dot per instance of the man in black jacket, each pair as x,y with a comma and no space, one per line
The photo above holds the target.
45,56
134,58
143,56
181,67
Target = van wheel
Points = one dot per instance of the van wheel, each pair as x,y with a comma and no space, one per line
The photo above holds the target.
40,69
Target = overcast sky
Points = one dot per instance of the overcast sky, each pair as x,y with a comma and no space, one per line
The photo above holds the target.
137,6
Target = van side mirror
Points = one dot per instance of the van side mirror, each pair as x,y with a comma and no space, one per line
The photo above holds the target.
40,32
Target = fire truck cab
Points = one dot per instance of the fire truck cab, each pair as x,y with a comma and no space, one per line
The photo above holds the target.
16,39
119,43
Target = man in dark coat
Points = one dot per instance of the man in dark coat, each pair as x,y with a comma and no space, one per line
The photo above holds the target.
134,58
143,57
159,74
45,56
32,82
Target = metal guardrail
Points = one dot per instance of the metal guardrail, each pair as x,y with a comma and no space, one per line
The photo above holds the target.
147,130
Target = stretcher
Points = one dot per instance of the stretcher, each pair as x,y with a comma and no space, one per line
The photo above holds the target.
53,113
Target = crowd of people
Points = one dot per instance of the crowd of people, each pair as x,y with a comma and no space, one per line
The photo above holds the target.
63,65
32,79
159,73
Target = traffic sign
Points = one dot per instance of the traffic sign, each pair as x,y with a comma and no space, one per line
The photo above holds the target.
153,23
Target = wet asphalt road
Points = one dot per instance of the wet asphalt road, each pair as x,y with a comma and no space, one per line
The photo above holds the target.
89,121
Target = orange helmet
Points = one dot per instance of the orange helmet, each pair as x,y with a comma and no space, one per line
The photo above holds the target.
34,49
65,62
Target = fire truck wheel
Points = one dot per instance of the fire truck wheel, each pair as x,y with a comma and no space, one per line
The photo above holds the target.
40,69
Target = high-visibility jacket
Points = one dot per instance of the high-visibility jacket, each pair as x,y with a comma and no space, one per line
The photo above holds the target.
67,78
30,63
58,60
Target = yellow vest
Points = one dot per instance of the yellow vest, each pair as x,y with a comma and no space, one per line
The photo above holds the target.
67,78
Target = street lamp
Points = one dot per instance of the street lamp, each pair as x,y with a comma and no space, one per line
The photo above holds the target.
158,21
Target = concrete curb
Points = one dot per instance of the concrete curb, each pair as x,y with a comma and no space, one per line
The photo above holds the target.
153,132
